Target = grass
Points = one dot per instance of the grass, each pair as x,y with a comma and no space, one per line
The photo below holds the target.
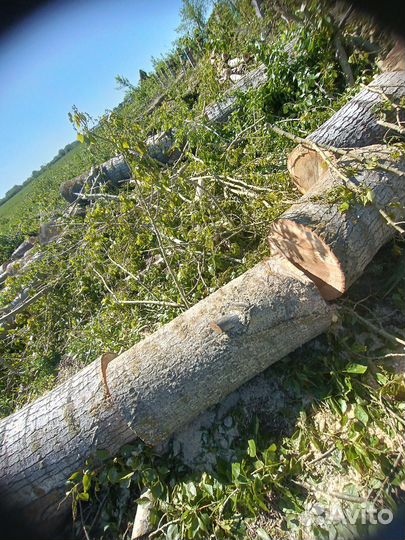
40,199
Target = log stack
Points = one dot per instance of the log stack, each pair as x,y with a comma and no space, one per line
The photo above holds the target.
163,382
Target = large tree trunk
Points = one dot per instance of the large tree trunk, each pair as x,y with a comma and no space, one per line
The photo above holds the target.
331,245
160,384
115,170
354,125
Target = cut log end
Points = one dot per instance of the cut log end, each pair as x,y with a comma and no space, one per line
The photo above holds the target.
308,252
306,167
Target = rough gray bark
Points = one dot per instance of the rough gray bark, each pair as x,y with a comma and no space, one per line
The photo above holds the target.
258,8
17,306
22,249
160,384
13,267
116,170
221,110
161,148
332,246
354,125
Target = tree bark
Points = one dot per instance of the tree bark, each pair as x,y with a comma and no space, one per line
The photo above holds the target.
22,249
353,126
116,170
258,9
160,384
333,246
221,110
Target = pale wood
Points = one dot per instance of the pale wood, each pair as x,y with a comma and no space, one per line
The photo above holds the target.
142,522
160,384
333,247
354,125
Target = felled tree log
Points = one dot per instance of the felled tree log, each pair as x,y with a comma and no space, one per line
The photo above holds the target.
116,170
22,249
160,384
353,126
333,244
395,59
221,110
14,267
161,148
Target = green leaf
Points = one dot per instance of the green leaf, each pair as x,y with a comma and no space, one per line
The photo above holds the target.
235,471
252,448
369,196
361,414
84,496
143,501
356,368
344,207
191,490
80,137
127,476
86,482
261,533
172,532
75,476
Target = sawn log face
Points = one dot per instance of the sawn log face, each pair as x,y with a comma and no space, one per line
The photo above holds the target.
355,125
334,246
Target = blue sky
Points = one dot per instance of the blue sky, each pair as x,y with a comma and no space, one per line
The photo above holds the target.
69,54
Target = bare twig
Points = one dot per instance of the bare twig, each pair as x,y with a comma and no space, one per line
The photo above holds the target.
373,327
161,246
244,131
136,302
390,125
11,314
390,222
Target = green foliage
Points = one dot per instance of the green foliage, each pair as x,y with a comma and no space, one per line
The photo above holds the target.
170,237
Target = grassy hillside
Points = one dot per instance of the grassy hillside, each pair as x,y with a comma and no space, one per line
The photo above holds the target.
340,398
